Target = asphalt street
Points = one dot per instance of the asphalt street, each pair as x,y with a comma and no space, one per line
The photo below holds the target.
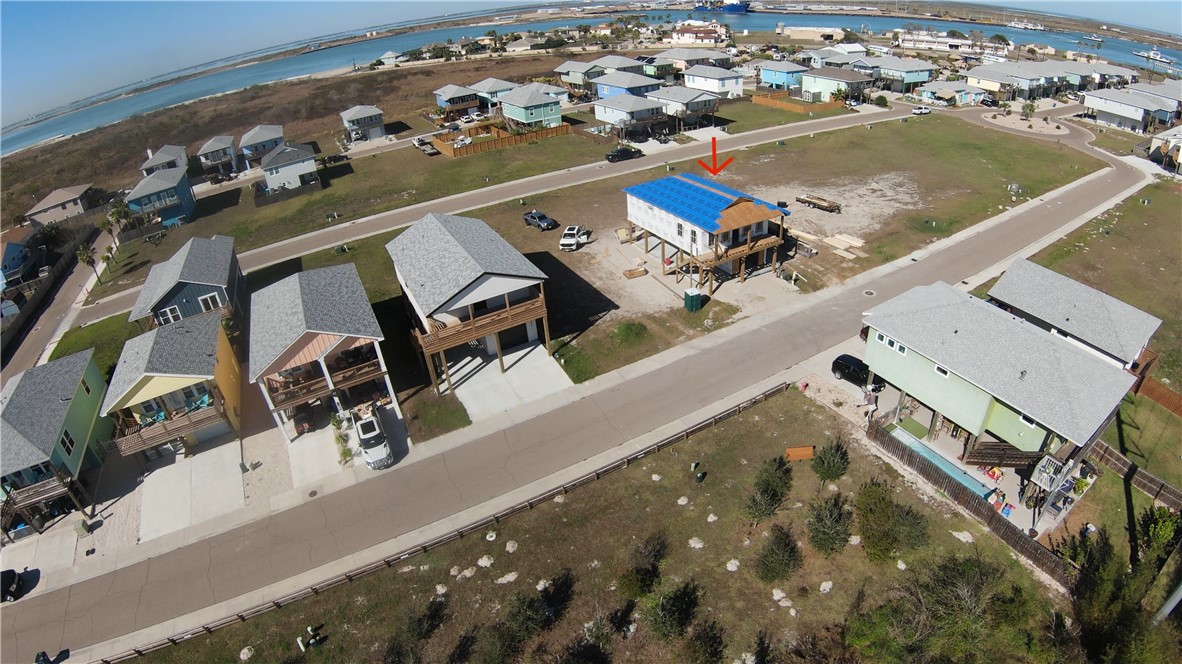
434,487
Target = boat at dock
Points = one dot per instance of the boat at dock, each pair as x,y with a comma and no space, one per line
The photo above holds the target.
1154,55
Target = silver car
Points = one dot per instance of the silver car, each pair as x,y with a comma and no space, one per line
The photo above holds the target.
375,449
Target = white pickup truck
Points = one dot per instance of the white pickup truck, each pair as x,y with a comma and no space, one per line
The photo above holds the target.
574,237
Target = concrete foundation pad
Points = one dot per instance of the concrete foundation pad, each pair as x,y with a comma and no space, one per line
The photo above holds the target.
530,374
313,456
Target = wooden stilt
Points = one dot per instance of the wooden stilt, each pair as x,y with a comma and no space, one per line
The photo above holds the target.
500,357
446,370
664,265
431,371
899,406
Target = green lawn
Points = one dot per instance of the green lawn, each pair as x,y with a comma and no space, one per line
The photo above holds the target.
747,116
1150,436
1116,141
105,336
584,541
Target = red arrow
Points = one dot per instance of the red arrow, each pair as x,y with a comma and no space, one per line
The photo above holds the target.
715,169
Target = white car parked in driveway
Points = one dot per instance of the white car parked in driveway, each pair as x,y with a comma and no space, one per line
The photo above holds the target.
477,116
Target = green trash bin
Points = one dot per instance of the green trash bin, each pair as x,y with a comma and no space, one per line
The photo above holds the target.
693,300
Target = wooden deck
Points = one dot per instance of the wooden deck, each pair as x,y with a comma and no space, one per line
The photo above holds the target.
304,392
357,374
481,326
714,258
135,438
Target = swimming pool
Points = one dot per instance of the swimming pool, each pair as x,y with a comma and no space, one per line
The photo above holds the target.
955,471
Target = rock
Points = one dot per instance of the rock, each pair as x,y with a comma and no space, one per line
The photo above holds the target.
826,586
683,501
424,568
594,564
962,535
406,568
745,658
508,578
510,546
901,565
732,565
656,477
246,653
712,518
542,585
778,594
491,536
560,498
466,574
833,487
454,571
855,540
785,603
440,589
696,543
792,612
485,561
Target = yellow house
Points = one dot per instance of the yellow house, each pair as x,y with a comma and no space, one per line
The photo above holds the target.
178,383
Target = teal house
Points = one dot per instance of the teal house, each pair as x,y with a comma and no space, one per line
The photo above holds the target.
165,195
530,109
50,431
1007,391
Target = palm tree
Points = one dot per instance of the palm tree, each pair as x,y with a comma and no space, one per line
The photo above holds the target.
85,255
1028,110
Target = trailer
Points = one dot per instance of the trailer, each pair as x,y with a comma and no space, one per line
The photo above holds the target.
428,148
819,203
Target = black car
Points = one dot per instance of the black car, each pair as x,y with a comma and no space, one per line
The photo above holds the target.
540,220
848,367
10,583
989,102
623,152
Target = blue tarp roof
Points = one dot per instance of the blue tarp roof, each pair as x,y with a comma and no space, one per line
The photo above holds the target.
687,197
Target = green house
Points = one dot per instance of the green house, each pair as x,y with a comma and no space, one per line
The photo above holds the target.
530,109
1010,391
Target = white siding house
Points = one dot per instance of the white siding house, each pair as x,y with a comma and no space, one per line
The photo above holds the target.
1126,109
722,82
289,166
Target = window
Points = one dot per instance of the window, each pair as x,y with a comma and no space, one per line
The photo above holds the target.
169,315
1029,421
902,349
67,443
680,230
194,391
210,302
890,342
880,337
693,238
942,371
85,387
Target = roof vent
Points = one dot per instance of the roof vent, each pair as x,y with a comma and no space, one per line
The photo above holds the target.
1022,375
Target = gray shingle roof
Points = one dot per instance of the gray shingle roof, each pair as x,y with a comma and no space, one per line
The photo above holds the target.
288,153
1045,377
261,134
330,300
616,62
217,143
33,409
200,261
1130,98
525,98
157,182
441,254
187,347
900,64
576,66
59,196
716,73
358,112
785,66
950,86
1169,88
493,85
683,53
629,103
451,91
835,74
544,88
624,79
164,155
1098,319
679,93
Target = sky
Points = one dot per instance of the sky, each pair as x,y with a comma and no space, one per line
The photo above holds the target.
97,46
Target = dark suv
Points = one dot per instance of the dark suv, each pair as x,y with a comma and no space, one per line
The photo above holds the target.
848,367
989,102
539,219
622,153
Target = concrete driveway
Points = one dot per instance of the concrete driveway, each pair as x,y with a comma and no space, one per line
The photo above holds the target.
193,490
530,375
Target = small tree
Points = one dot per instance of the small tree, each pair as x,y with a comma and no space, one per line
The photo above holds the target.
644,566
1028,110
780,556
762,504
52,235
86,255
776,475
705,644
880,101
829,523
671,612
831,461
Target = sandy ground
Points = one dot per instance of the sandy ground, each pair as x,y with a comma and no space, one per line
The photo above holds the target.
1034,125
865,205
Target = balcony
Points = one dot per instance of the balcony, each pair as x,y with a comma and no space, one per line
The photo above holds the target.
144,207
723,254
134,437
442,337
356,374
286,394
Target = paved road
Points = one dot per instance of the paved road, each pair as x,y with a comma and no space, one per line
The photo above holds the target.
283,544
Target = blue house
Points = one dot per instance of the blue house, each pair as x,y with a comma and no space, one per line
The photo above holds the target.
258,142
953,93
202,276
456,99
624,83
781,75
165,195
898,74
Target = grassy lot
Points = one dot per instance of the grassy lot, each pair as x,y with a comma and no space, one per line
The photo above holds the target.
747,116
1131,253
584,541
105,336
1113,140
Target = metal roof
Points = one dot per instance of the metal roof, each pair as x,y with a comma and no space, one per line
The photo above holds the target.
442,254
185,348
716,73
624,79
683,53
287,153
33,408
158,181
949,86
330,300
217,143
359,112
261,134
165,155
1097,318
629,103
59,196
544,88
1169,89
199,261
574,66
1130,98
1047,378
900,64
616,62
695,199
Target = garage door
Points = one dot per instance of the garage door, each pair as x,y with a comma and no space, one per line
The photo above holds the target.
514,337
219,428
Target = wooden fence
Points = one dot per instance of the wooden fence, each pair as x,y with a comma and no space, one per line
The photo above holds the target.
479,525
1162,395
503,140
1141,479
1017,539
784,102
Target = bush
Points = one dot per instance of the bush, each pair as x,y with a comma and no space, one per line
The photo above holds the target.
911,527
776,475
780,557
644,566
649,552
526,617
635,583
831,461
762,504
497,645
887,527
880,101
669,613
829,524
705,644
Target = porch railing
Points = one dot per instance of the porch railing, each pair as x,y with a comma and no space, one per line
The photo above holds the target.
720,256
286,397
470,330
358,373
130,439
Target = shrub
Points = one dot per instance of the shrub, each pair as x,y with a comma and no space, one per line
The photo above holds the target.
780,556
911,527
497,645
636,583
829,524
526,617
648,552
669,613
1159,531
762,504
885,526
831,461
776,475
644,566
705,644
880,101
